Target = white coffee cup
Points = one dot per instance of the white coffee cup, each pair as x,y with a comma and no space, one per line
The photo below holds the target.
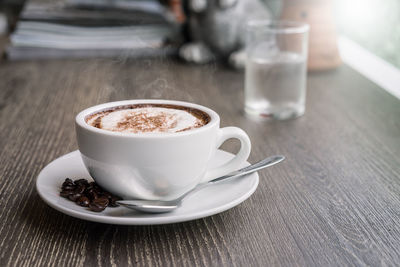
159,165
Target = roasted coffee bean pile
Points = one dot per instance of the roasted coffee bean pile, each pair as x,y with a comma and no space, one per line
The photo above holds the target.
87,194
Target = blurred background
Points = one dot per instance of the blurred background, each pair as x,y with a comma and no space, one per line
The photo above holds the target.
373,24
365,34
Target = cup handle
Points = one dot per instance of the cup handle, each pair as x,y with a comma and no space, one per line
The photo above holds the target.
235,163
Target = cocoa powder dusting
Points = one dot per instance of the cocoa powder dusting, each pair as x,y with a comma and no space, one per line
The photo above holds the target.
97,122
146,123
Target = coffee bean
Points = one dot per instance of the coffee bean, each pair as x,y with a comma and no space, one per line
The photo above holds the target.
94,185
99,204
91,194
88,194
74,197
67,182
91,185
69,187
81,182
106,194
83,201
95,207
66,193
79,189
102,201
112,201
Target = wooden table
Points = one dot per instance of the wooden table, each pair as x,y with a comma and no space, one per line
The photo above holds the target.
335,201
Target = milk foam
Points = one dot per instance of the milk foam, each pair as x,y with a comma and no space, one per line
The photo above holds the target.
146,120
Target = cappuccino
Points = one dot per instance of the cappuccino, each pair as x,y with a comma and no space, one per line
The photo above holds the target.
148,118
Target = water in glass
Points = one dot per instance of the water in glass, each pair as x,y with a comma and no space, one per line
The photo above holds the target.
275,85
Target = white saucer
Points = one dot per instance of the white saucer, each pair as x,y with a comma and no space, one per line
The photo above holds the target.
208,201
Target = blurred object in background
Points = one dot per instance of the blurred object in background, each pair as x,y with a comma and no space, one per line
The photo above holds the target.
216,29
3,32
93,28
373,24
176,7
323,49
3,24
9,10
276,63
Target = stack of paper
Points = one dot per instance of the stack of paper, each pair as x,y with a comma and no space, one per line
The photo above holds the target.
91,28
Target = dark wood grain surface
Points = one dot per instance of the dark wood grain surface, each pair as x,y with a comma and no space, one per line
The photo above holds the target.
335,201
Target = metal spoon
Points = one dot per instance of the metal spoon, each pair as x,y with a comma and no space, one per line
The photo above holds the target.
159,206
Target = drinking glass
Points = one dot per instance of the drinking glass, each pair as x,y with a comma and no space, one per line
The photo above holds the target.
276,65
